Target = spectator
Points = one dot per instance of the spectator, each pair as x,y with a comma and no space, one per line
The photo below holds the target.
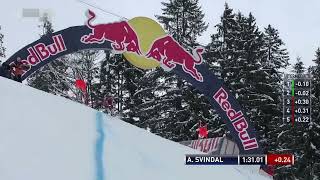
17,69
202,130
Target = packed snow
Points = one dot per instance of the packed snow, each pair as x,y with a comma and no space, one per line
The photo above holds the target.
46,137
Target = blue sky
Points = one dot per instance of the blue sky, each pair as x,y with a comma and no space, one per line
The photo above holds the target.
297,21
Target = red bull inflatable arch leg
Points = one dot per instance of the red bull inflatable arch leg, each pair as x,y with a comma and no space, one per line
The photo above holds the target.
145,47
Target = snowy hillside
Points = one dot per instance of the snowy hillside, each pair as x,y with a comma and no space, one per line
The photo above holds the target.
45,137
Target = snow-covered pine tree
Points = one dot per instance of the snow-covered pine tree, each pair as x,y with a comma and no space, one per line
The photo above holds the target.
245,56
117,79
220,48
251,80
298,67
132,82
83,65
117,87
275,59
308,165
315,122
48,78
102,88
125,77
2,48
221,55
305,136
173,108
295,139
184,20
276,55
145,105
240,61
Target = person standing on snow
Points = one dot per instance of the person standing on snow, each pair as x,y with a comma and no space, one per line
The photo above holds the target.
202,130
17,69
108,104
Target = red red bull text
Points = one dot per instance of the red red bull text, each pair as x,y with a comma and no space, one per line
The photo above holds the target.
169,52
206,145
41,52
239,122
122,36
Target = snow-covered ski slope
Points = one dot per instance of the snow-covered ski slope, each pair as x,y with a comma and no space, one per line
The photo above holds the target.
46,137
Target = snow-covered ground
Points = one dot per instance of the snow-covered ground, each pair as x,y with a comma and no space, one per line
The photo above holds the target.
45,137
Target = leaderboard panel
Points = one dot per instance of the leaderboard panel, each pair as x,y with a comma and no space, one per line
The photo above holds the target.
268,159
297,99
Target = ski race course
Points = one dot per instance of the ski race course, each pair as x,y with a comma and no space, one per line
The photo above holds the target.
46,137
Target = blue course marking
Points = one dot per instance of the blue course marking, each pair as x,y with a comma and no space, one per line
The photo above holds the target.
99,147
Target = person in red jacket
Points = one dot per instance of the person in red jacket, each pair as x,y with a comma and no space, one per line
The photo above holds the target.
108,104
202,131
17,69
82,85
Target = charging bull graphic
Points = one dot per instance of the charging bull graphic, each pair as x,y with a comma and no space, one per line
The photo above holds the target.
122,36
145,41
165,50
169,52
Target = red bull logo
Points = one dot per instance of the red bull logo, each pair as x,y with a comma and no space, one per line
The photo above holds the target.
41,52
237,119
146,45
122,36
167,51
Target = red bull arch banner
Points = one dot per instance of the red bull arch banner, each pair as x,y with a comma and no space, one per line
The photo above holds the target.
145,44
